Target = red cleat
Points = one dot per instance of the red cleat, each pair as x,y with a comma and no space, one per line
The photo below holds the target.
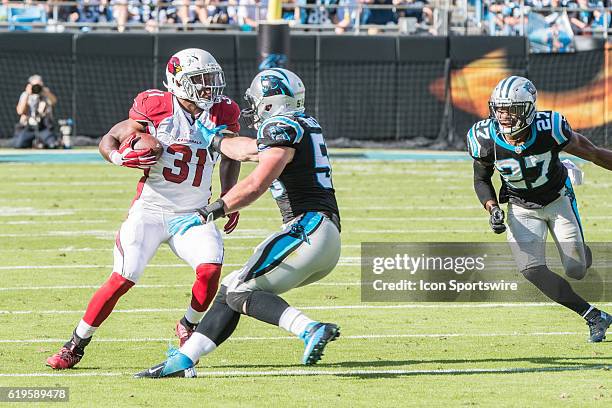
183,333
63,359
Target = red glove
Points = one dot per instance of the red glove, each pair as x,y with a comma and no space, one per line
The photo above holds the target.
128,157
232,221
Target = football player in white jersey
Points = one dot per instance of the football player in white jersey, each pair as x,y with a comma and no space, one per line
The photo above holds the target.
523,144
183,120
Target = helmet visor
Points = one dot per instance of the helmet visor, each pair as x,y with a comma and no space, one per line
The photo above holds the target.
205,86
249,114
511,116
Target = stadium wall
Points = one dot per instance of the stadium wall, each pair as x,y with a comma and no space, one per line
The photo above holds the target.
412,91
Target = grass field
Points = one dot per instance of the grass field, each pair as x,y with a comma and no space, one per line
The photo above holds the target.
57,224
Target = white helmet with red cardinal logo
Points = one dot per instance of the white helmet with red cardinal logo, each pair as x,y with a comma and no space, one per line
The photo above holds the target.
195,75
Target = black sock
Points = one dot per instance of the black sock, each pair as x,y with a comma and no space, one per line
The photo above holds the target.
592,314
265,306
77,344
220,321
556,288
188,324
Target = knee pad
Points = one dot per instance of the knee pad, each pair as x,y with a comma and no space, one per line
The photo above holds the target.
577,270
237,300
534,272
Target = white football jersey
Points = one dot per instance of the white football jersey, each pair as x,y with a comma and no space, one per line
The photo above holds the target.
181,179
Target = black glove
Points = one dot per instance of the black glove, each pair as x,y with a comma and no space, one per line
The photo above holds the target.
497,220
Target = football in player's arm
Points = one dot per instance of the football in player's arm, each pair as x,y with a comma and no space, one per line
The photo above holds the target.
523,144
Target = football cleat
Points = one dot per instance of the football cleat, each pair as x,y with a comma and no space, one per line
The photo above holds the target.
70,354
316,336
183,332
598,326
64,359
177,365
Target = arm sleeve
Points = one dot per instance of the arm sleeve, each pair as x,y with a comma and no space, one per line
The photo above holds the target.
482,182
282,132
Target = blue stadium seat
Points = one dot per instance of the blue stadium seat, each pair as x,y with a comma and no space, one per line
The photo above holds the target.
26,15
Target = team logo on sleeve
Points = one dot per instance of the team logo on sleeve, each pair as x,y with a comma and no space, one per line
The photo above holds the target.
272,85
174,66
278,133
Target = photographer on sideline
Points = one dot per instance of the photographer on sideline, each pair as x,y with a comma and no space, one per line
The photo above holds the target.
35,110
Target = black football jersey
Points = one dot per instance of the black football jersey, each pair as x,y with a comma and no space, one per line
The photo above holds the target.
532,174
306,182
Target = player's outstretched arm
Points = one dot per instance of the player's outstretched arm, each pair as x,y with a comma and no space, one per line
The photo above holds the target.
240,148
582,147
272,162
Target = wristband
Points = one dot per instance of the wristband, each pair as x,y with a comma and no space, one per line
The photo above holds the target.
213,211
115,157
216,142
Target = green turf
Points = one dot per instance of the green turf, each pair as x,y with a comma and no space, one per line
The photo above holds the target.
64,217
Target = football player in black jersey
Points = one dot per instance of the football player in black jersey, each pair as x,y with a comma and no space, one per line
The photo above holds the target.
294,165
523,144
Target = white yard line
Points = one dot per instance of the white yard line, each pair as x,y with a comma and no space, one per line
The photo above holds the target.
311,373
272,210
144,286
162,248
110,234
291,338
333,307
347,261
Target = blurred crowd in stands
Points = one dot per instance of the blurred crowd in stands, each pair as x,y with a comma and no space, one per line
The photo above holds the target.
495,17
505,17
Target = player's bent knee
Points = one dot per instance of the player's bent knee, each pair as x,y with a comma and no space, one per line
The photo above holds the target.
576,270
532,273
237,300
208,272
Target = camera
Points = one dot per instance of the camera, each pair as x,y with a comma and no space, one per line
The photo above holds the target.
37,88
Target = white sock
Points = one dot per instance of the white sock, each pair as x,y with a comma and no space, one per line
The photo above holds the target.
84,330
587,312
193,316
294,321
198,345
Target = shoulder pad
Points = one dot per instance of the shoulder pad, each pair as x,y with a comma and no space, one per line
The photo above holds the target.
227,113
152,106
279,131
479,139
561,129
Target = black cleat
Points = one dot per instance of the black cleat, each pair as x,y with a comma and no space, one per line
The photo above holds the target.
598,326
